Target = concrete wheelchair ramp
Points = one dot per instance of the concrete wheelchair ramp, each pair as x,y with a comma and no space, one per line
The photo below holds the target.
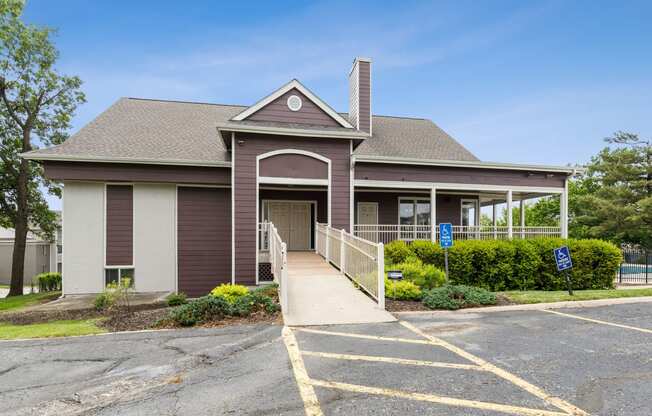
318,294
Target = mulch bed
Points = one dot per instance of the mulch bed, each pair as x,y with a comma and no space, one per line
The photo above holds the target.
33,317
404,305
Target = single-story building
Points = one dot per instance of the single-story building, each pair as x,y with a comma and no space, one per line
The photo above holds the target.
174,193
41,255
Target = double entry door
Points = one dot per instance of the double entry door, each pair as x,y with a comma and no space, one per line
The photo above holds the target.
293,222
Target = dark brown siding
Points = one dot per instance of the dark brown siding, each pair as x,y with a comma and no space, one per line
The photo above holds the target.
338,151
203,239
320,197
448,206
278,110
119,225
116,172
294,166
391,172
365,96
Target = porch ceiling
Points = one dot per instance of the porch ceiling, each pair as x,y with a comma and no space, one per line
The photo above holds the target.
486,197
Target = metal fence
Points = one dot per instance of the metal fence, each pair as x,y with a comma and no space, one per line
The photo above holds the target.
385,233
636,267
360,259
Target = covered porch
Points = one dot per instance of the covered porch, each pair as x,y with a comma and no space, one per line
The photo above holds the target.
409,212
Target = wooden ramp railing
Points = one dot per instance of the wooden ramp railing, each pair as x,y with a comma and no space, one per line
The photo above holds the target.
278,258
360,259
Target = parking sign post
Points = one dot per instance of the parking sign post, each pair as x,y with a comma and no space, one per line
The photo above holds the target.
564,264
446,241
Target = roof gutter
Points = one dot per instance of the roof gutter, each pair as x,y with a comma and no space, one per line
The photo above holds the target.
285,131
99,159
467,164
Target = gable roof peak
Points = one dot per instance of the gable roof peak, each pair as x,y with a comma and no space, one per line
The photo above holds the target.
294,84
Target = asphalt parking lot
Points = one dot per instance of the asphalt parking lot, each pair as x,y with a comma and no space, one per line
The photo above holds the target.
594,361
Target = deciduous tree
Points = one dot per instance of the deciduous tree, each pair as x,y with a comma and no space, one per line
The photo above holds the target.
36,107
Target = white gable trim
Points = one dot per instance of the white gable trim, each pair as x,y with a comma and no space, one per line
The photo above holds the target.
305,91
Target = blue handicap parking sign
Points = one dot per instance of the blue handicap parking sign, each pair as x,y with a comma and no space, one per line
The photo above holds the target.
446,235
563,258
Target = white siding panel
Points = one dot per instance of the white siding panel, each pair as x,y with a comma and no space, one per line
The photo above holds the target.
83,237
154,239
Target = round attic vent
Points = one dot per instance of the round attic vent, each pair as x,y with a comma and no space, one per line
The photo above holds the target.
294,103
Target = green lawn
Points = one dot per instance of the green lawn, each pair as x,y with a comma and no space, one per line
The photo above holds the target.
537,296
17,302
50,329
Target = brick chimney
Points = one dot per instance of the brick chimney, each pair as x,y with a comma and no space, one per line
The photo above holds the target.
360,94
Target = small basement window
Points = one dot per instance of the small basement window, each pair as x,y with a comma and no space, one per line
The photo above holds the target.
116,276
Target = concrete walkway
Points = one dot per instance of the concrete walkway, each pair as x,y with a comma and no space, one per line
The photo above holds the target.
319,295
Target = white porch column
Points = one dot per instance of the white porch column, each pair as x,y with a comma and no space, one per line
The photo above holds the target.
563,210
510,228
433,214
494,220
522,215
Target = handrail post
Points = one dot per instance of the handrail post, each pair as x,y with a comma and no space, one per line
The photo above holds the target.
284,278
328,244
316,238
380,258
342,252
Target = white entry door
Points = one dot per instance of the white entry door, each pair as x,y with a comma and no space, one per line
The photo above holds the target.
292,219
368,215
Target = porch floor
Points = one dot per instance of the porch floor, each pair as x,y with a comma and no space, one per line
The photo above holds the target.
319,295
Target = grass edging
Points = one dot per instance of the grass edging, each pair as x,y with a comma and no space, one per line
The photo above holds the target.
15,303
53,329
539,296
536,306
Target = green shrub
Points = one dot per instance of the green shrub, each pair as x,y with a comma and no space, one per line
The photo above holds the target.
213,308
426,276
402,290
206,308
48,282
457,296
524,264
115,295
397,252
270,290
427,252
104,301
176,299
230,292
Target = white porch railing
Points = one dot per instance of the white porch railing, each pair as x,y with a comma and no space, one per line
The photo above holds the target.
279,261
385,233
358,258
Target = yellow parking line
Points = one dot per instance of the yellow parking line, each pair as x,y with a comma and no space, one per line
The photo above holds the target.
555,401
597,321
307,392
372,337
354,357
515,410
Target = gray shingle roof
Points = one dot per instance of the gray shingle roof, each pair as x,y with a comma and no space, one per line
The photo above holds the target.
156,130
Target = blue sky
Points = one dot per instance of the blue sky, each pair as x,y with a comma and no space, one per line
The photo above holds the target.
514,81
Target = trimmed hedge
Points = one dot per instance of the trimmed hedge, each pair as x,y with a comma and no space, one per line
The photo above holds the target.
521,264
397,252
48,282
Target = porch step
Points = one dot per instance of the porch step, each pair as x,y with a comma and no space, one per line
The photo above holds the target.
318,294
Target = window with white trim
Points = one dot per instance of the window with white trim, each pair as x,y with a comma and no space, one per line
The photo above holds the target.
116,275
414,211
